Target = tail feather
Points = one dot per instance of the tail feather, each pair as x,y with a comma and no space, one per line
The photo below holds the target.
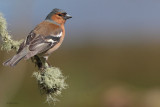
13,61
16,58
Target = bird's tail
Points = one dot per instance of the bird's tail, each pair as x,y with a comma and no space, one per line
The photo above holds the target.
16,58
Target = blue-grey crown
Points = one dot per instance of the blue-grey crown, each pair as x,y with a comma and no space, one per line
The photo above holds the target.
54,11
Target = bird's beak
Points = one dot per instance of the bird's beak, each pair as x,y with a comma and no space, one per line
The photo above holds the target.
67,17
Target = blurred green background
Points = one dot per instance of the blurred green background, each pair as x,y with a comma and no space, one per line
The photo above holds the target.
110,56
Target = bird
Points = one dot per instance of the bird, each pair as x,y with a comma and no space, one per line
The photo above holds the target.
44,39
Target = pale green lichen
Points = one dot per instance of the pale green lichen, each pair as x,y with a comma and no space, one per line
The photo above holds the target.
50,79
7,43
51,82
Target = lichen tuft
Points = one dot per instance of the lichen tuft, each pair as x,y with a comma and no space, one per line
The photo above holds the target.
51,82
7,43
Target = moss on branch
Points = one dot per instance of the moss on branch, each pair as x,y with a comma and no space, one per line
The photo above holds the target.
7,43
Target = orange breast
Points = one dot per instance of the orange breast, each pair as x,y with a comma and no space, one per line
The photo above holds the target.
58,44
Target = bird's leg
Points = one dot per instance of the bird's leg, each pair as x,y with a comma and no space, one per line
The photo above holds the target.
37,62
44,61
41,62
48,63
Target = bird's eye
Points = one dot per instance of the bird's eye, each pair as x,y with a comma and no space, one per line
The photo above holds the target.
59,14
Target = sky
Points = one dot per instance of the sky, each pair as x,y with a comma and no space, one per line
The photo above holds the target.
100,18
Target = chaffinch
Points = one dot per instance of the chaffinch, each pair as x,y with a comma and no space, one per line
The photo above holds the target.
45,38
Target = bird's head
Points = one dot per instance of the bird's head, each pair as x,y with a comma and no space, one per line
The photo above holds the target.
59,16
